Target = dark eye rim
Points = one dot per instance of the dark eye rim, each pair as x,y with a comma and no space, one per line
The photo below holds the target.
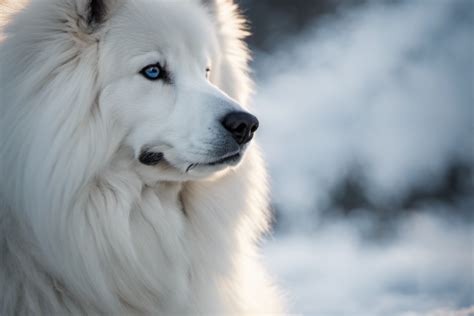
163,75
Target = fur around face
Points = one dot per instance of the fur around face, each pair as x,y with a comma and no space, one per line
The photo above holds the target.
84,227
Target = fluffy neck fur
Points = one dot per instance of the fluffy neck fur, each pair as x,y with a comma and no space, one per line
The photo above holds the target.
143,256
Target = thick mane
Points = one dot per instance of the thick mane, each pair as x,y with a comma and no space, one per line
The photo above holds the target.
56,145
53,116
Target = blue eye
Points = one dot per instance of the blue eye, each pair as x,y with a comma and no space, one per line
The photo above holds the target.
152,72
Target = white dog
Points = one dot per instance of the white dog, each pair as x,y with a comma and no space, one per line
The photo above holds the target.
129,182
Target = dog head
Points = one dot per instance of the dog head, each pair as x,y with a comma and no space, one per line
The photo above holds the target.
161,84
161,69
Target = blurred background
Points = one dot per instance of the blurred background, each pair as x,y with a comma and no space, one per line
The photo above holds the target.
367,125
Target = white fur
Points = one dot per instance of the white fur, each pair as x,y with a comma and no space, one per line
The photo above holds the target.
84,227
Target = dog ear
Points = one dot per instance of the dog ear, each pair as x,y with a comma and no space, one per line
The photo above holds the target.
95,12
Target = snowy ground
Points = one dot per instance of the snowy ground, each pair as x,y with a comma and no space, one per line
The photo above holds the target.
335,272
387,89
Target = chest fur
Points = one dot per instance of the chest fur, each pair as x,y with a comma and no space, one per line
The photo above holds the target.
160,238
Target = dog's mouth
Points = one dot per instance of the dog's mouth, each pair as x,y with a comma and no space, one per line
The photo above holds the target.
229,160
151,158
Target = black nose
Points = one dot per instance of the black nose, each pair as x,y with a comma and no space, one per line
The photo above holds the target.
241,125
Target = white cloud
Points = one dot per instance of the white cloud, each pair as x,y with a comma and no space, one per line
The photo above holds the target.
389,88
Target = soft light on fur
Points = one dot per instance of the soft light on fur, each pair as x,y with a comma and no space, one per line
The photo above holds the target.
84,227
